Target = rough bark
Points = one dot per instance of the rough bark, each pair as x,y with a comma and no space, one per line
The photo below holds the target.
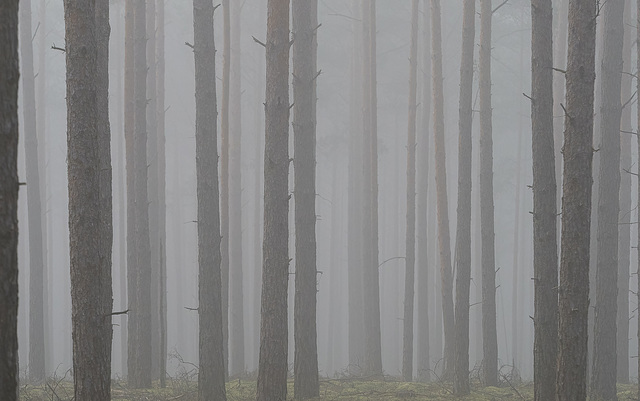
444,246
576,203
236,320
422,238
211,376
90,283
34,201
141,376
603,373
272,369
410,236
545,259
224,175
559,55
10,72
463,229
305,73
489,331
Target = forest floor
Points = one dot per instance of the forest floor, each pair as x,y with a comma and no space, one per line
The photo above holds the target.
330,389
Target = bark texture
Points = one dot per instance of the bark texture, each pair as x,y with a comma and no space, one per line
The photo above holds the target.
305,73
576,203
211,376
545,259
90,283
10,72
272,369
224,175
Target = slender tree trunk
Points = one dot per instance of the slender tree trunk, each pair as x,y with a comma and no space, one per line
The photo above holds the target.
355,215
10,72
441,188
142,376
559,54
638,176
576,203
161,163
236,321
422,237
624,228
489,330
212,372
305,72
272,369
463,231
34,202
545,260
86,26
603,379
410,238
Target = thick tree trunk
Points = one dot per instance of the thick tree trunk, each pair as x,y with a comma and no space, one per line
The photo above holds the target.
224,176
489,331
441,188
559,54
141,376
410,238
576,203
463,231
236,321
34,202
545,260
272,369
212,372
422,237
86,26
10,72
603,378
305,72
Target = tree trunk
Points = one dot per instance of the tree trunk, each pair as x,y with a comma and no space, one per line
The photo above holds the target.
441,187
559,54
272,369
305,72
212,372
141,376
576,203
422,237
86,25
10,72
603,379
34,205
545,260
410,238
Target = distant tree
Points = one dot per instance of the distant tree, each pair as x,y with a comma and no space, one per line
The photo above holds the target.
10,72
441,187
305,73
545,253
224,175
272,368
576,203
211,375
603,373
85,26
37,266
410,238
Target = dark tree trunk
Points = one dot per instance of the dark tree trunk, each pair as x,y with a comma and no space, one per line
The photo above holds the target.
463,231
410,238
441,188
422,237
141,376
10,72
272,369
86,25
489,331
545,259
236,321
305,72
603,373
576,203
372,363
211,376
559,54
34,202
224,176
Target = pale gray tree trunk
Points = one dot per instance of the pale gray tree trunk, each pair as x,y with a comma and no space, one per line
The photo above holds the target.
224,175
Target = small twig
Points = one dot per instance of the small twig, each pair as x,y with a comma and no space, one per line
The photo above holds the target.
124,312
390,259
559,70
54,47
259,42
501,4
191,309
189,45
